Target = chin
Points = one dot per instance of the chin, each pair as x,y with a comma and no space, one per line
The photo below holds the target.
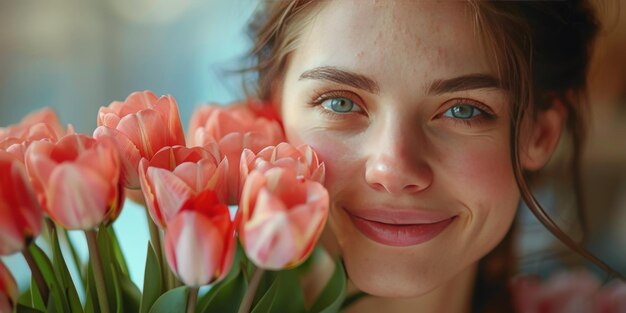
388,282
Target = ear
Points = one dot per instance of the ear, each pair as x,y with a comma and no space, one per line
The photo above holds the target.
541,136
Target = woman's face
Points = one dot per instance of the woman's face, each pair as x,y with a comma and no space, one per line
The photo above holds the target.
401,102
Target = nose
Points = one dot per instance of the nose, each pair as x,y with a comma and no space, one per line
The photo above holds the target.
397,161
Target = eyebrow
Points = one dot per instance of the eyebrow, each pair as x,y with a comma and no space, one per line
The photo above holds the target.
464,82
440,86
337,75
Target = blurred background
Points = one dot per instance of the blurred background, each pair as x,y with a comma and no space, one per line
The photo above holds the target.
76,55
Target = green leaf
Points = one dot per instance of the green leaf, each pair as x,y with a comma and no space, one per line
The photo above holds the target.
331,298
75,258
122,294
117,251
268,278
89,307
35,296
173,301
25,309
56,303
25,297
45,266
91,294
284,295
152,281
131,295
117,291
225,296
63,275
106,257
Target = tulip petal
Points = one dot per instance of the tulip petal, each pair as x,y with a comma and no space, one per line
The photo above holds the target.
194,175
77,197
11,239
129,155
145,129
39,167
148,194
270,242
169,190
193,248
137,101
168,107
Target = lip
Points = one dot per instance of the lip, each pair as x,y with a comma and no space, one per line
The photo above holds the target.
400,228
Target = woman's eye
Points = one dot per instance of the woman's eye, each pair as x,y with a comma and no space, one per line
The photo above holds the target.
340,105
463,111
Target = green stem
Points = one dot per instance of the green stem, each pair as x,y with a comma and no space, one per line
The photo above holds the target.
155,239
98,273
192,299
36,273
246,303
75,257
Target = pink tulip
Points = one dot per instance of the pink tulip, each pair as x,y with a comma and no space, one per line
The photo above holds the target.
39,125
281,217
567,292
77,180
234,128
303,160
176,174
140,126
200,240
20,213
8,290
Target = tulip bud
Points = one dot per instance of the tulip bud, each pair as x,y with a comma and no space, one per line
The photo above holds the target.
20,213
281,217
200,240
77,180
233,128
39,125
303,160
176,174
140,126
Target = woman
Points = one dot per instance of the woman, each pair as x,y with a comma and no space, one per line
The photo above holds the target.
429,117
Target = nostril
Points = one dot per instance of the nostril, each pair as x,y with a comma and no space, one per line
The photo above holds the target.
378,187
411,188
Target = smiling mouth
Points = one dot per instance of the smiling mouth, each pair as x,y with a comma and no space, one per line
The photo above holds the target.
399,235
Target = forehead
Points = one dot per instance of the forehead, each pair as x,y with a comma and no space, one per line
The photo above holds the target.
392,40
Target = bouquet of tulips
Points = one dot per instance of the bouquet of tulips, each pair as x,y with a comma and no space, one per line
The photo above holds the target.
256,260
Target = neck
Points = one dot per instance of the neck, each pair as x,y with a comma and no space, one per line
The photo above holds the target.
455,296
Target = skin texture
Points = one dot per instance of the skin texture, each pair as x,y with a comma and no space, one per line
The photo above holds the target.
400,146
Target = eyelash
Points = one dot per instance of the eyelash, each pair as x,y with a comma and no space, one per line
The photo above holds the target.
320,96
485,112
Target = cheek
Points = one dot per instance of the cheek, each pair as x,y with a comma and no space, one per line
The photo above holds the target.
337,153
485,167
480,176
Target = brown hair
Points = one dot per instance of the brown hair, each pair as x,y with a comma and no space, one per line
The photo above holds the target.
541,52
544,50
